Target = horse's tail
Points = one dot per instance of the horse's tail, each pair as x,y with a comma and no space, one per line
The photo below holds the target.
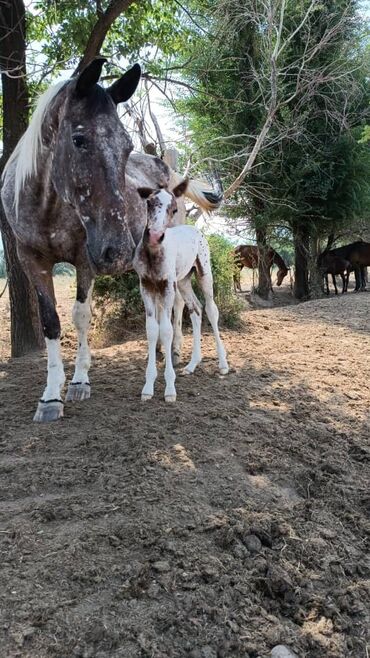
199,191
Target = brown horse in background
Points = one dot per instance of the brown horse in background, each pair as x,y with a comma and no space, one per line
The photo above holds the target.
248,255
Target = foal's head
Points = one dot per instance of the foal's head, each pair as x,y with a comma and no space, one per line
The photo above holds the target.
90,151
161,207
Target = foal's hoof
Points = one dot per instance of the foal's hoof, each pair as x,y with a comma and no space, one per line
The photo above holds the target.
224,371
77,392
46,412
170,398
176,359
145,397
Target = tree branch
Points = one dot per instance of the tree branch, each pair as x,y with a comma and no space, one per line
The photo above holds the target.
100,29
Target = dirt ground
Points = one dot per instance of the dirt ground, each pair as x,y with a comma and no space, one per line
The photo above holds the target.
220,526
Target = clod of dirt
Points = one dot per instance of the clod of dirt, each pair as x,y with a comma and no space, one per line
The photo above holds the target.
252,543
281,651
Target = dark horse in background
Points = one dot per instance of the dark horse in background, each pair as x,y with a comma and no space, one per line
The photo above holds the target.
329,263
354,256
248,255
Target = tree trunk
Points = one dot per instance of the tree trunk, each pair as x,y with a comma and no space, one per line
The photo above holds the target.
26,334
301,239
316,282
264,272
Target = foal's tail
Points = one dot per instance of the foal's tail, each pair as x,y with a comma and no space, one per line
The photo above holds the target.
199,191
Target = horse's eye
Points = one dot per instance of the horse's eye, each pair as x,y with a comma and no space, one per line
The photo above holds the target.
79,141
175,211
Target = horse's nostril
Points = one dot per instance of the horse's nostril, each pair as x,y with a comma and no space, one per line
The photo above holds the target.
110,255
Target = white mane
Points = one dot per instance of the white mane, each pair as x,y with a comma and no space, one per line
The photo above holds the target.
27,151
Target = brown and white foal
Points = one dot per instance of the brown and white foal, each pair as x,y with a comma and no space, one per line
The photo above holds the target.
165,259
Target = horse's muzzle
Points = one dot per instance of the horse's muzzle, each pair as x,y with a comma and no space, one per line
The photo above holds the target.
111,259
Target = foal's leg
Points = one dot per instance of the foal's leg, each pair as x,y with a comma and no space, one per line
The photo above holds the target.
195,311
152,334
39,270
166,336
343,282
178,337
206,283
79,387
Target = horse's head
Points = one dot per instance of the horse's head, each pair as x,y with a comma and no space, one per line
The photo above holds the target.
161,207
281,275
90,151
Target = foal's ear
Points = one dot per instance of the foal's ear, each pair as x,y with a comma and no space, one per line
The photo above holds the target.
89,76
145,192
180,189
122,89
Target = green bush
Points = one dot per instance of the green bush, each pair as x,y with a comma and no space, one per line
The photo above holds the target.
124,288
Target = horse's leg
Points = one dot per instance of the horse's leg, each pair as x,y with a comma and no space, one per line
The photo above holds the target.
166,336
334,283
39,271
236,278
206,283
79,387
177,325
195,311
346,280
326,279
358,278
152,334
363,277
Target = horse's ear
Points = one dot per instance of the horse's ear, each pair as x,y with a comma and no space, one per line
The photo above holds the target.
122,89
145,192
180,189
89,76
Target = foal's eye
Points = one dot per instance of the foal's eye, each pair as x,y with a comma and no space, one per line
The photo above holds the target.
175,211
79,141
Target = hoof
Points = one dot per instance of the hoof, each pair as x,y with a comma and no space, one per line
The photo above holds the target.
145,397
47,412
170,398
224,371
176,359
77,392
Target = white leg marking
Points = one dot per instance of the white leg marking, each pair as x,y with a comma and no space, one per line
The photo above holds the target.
152,333
166,335
212,314
56,377
195,310
177,324
81,316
